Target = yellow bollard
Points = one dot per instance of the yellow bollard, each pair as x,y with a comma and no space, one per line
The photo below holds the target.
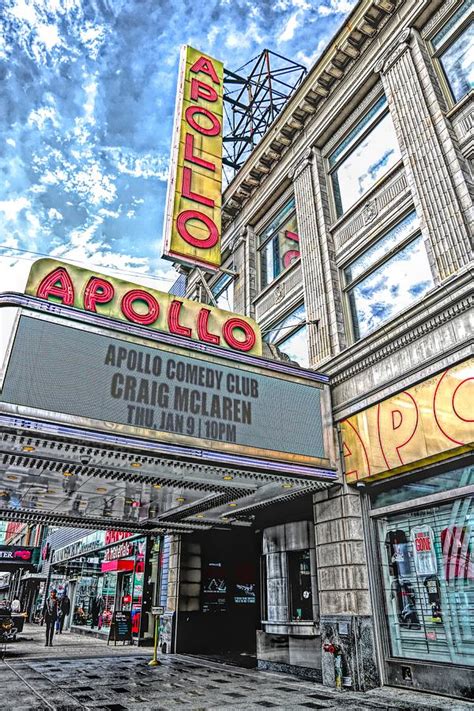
154,661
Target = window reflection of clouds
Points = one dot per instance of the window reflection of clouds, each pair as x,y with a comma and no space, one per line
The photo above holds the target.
293,344
458,63
372,158
390,288
396,235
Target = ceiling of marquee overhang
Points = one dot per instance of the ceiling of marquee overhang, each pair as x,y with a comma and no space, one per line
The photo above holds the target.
66,481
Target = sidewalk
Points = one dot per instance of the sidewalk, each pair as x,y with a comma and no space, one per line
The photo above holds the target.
82,673
30,644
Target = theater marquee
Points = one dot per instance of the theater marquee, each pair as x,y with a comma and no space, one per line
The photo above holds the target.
69,285
192,230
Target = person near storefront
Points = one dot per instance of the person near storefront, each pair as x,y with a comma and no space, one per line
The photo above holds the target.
64,608
50,615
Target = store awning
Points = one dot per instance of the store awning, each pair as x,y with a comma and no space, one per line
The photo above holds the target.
115,566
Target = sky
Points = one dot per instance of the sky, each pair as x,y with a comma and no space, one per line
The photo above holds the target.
87,93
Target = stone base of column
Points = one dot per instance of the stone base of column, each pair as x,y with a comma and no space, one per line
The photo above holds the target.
354,634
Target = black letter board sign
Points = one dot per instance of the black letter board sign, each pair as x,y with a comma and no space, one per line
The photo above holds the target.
121,627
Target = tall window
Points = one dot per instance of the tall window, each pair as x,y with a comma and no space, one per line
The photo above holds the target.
223,292
290,335
279,244
363,157
454,50
299,575
387,277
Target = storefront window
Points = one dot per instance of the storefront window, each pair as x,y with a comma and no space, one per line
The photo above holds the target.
365,155
299,572
427,560
387,277
453,45
279,244
290,335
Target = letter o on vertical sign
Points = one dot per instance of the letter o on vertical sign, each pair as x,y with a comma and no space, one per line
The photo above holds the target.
213,130
181,225
228,332
139,295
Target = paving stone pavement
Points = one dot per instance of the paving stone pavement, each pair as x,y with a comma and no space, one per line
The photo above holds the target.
119,679
121,683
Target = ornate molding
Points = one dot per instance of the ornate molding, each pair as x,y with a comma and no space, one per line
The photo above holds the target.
394,52
370,211
304,163
417,332
438,17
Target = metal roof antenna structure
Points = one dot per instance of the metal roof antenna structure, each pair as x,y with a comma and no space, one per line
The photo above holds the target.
254,95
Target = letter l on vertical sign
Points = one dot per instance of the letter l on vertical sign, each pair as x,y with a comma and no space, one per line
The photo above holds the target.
192,227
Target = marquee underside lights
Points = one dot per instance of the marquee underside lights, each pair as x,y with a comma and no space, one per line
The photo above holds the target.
192,230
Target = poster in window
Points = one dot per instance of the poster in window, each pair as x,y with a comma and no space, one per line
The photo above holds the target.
214,588
424,555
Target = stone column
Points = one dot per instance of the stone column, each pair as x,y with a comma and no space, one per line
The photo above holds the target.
321,289
245,264
346,612
429,151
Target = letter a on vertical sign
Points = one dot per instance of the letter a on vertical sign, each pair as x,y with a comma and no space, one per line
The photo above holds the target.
192,230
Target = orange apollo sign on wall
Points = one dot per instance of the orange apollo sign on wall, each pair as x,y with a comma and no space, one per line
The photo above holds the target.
429,422
192,230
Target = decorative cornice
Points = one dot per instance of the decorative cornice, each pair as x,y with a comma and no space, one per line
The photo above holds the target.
304,163
414,334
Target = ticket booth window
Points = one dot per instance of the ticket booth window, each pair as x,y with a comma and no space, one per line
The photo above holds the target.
301,599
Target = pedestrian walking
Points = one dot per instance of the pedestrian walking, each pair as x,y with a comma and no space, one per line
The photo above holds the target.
50,615
64,610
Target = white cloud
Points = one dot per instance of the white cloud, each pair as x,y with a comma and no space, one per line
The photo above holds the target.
146,165
289,29
12,208
242,40
40,117
309,59
336,7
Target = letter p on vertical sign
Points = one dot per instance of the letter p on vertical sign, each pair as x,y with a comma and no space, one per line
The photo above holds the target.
192,228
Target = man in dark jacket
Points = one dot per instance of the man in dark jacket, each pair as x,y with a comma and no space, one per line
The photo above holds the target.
64,610
50,615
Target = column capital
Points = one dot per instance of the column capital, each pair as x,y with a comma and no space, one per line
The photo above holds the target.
305,162
401,44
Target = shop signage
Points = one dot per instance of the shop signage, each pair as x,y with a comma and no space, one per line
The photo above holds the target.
116,536
192,230
18,555
108,383
85,545
121,627
123,550
69,285
426,423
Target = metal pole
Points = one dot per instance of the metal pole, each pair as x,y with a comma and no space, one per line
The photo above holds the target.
154,661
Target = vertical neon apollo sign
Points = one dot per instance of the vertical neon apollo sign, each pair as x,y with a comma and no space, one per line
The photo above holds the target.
192,232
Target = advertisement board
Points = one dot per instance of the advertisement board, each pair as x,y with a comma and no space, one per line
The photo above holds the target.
18,556
426,423
128,385
192,229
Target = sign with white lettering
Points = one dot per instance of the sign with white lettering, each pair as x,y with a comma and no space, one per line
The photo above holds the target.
122,384
192,232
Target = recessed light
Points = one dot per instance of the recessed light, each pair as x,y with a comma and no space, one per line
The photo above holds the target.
232,505
224,519
199,515
180,498
28,449
101,489
287,486
228,477
136,465
157,486
67,473
12,477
